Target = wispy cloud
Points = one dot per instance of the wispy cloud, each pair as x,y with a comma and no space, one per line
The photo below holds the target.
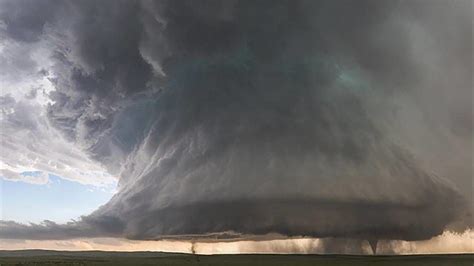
29,144
38,178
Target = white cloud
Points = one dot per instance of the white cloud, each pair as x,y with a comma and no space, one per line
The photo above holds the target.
27,141
29,144
37,178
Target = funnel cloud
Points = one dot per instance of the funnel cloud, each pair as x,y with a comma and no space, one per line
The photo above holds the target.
345,119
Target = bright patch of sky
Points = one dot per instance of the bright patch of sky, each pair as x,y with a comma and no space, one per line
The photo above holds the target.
28,143
58,200
42,175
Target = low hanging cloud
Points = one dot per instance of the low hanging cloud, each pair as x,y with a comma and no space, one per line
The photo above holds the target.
302,118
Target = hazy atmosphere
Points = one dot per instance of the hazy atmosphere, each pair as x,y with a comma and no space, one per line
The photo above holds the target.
298,126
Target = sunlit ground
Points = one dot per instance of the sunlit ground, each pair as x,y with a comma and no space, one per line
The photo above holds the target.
446,243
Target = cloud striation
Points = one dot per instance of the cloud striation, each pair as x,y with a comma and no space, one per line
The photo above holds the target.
257,117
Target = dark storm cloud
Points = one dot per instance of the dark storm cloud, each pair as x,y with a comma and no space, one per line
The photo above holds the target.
27,24
255,116
51,230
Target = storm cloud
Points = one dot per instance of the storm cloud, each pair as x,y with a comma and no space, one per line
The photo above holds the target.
302,118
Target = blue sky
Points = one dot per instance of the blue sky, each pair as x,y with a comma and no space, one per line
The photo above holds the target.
59,200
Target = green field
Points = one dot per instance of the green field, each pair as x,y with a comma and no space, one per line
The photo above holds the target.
40,257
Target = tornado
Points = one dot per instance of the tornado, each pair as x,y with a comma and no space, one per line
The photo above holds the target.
230,119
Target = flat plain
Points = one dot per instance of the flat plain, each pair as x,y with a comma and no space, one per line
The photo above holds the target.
45,257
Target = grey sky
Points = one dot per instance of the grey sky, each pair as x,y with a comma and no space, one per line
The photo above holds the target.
321,118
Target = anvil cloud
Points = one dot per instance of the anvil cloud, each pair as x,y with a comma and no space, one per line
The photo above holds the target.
301,118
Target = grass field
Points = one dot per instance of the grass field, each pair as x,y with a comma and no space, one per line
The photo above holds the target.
40,257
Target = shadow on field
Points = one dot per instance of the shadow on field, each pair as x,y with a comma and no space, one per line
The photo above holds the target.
40,257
